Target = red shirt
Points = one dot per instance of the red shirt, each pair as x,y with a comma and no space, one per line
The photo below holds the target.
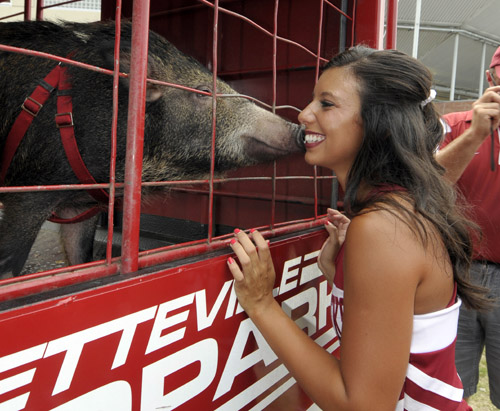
480,186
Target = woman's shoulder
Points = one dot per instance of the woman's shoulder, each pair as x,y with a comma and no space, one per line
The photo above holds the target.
386,239
383,264
393,219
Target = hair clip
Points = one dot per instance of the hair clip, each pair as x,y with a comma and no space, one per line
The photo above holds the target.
432,96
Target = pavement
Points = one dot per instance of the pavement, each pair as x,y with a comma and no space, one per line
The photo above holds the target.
47,252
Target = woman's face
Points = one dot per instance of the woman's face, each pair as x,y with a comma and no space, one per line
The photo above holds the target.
333,124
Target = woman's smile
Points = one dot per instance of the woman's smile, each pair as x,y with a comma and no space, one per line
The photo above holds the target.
313,139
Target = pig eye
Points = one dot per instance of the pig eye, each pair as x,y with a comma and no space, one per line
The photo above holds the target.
205,89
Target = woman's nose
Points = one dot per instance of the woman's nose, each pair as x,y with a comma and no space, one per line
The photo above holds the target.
305,115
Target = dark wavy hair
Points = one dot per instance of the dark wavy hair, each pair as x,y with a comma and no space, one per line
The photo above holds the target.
400,137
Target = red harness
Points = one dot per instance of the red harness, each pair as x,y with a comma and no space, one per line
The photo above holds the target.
57,79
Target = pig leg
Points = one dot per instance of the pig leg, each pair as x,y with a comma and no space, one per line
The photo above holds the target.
22,217
78,238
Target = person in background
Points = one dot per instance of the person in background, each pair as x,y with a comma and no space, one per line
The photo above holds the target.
396,260
470,155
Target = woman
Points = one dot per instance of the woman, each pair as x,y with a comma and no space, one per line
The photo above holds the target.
406,251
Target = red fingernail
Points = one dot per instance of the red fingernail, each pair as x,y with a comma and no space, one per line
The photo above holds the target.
253,230
230,260
236,230
233,241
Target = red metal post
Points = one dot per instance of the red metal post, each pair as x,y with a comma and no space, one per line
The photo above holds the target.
318,56
215,48
392,24
274,85
39,10
27,10
135,136
114,131
369,23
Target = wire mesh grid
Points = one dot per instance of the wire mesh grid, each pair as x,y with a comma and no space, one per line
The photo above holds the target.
78,4
131,258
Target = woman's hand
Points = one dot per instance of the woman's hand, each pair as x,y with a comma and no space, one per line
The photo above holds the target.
254,281
336,226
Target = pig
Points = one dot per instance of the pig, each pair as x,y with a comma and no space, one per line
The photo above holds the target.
177,135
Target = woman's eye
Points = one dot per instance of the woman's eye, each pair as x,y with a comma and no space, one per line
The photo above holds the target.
326,104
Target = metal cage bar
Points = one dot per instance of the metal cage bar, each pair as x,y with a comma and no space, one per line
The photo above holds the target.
135,136
114,132
131,259
215,44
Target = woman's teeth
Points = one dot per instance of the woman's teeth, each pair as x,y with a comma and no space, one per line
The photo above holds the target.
314,138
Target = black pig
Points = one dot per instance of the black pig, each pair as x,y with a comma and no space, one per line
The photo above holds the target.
177,136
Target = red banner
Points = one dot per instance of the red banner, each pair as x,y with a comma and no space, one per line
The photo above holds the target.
171,338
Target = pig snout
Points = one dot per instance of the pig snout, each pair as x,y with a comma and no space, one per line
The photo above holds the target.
300,137
271,137
275,142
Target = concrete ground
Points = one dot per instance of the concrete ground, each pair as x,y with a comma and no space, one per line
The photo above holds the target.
47,252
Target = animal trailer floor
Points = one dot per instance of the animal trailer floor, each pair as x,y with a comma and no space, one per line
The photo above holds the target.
47,251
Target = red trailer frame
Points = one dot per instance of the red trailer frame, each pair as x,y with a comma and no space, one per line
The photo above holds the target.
162,327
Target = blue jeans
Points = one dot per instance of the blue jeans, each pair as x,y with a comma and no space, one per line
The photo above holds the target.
477,331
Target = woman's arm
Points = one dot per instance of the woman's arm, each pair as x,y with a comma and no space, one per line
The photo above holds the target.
381,274
383,265
317,372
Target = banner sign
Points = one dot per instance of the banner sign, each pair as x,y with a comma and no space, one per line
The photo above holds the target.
170,339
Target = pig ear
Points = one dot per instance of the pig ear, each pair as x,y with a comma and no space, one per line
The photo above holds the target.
153,91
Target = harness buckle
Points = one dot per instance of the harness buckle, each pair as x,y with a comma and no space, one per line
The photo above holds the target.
31,106
64,120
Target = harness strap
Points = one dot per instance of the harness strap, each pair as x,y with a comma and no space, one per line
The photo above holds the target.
56,79
64,122
30,108
91,212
